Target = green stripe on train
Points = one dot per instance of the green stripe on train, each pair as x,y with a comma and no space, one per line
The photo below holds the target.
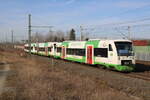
66,43
117,67
76,59
55,56
46,44
93,42
111,66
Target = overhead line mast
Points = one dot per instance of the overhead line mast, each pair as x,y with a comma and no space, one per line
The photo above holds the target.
12,37
81,33
29,34
129,32
29,31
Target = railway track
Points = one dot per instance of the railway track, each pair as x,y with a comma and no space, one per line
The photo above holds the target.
132,74
139,76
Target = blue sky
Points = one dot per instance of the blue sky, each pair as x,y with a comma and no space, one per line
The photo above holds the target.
66,14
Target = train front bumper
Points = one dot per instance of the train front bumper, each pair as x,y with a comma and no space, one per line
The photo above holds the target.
125,68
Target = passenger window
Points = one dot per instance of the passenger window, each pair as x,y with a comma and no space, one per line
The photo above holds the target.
101,52
110,47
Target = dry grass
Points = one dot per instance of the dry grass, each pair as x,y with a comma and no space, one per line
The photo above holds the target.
37,80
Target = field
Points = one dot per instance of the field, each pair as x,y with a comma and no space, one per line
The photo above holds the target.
42,78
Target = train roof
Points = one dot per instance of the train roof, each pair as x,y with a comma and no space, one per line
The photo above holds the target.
115,40
77,44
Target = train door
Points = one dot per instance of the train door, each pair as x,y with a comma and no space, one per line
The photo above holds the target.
54,49
37,48
63,52
46,51
33,50
110,54
89,54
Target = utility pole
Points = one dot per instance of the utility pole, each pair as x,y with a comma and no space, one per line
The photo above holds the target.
129,32
81,33
12,37
29,33
6,37
37,37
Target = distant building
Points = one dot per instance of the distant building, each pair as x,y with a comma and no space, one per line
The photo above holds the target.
141,42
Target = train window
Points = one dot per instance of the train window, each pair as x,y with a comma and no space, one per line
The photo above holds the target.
37,48
50,49
79,52
31,48
110,47
58,49
27,48
70,51
101,52
41,49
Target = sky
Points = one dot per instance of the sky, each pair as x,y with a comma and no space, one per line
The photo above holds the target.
67,14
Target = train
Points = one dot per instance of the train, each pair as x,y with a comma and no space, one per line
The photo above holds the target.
116,54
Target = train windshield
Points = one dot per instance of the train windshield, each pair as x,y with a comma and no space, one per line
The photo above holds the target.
124,48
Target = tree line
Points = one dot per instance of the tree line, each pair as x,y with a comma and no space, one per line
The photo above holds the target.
57,36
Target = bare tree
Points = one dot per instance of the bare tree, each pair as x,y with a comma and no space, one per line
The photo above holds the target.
51,36
57,36
37,37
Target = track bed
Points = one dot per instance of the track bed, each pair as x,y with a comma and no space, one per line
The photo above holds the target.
131,83
42,78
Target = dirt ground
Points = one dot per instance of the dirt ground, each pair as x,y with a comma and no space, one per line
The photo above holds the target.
33,78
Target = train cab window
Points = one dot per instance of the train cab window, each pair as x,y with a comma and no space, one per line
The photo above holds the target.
110,47
124,48
101,52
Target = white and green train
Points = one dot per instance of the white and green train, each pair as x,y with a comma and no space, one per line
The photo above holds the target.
114,54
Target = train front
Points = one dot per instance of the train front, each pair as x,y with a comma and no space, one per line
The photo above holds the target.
125,54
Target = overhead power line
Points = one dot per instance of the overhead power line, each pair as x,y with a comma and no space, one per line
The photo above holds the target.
42,26
125,22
